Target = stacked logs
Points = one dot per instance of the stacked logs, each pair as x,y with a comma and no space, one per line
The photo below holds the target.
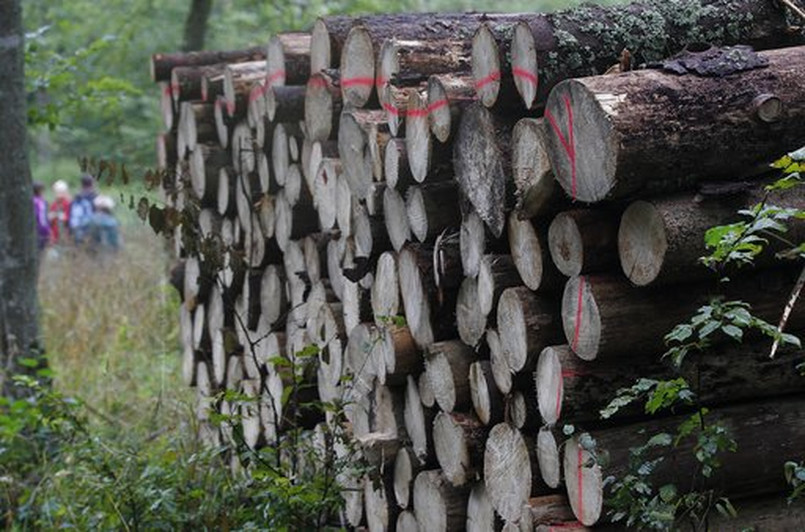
470,235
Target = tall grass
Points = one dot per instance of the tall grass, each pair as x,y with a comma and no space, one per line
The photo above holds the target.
110,330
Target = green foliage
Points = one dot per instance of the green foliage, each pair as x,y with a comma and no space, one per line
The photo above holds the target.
795,476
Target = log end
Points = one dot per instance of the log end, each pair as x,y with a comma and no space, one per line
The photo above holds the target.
565,244
507,471
439,107
417,135
486,65
275,63
581,318
320,53
550,464
548,380
357,66
318,108
642,243
584,482
524,63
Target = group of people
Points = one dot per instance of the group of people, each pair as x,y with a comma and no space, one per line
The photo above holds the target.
85,220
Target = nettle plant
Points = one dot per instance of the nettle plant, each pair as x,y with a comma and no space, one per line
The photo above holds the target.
634,499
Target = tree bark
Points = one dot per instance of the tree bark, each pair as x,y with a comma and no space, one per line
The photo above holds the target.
767,435
626,140
588,40
162,64
19,330
431,209
195,25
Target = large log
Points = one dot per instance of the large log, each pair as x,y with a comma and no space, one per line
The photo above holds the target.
362,138
480,514
588,40
487,400
470,320
162,64
618,136
529,251
418,420
186,82
448,95
508,470
459,442
660,240
575,390
432,209
323,105
767,435
584,241
482,161
605,316
406,467
448,366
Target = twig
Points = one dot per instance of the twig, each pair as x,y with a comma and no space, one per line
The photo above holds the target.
795,8
788,308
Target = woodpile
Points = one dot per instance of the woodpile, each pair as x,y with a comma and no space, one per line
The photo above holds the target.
470,234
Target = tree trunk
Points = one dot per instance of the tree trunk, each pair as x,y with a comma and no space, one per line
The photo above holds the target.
585,241
767,435
19,330
448,367
626,140
527,324
195,25
186,82
588,40
497,273
660,240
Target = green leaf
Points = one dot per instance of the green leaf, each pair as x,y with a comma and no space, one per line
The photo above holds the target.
733,332
668,492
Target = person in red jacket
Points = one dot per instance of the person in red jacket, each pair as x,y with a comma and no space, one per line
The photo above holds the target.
59,214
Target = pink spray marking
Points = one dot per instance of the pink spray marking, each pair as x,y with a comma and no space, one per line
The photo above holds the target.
568,143
525,74
483,82
351,82
578,314
392,110
438,104
275,76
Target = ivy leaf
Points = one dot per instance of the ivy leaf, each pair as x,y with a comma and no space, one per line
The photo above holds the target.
733,332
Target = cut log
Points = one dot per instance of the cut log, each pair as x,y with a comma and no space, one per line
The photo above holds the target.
386,289
395,216
459,442
537,192
496,274
507,471
406,467
250,413
166,158
472,243
480,514
395,166
206,162
487,400
439,505
185,82
315,249
448,367
326,181
400,354
482,161
418,419
280,152
548,457
660,240
293,222
242,145
529,251
288,59
196,124
326,41
406,522
163,64
362,137
634,146
527,324
605,316
584,241
470,319
223,124
418,145
431,209
426,391
296,191
238,81
273,302
394,101
323,105
343,206
575,390
256,113
167,109
522,409
448,95
381,511
312,159
363,358
335,252
285,103
772,430
547,513
501,373
490,60
588,40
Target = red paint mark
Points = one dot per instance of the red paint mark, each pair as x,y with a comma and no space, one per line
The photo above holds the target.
380,81
483,82
230,108
257,93
174,88
438,104
525,74
578,315
570,373
419,112
166,89
392,110
568,143
317,82
275,76
350,82
204,92
580,480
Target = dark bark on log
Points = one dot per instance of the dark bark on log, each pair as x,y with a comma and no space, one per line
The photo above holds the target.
162,64
626,139
285,103
448,366
589,40
527,324
432,209
660,240
459,442
529,251
767,435
186,82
